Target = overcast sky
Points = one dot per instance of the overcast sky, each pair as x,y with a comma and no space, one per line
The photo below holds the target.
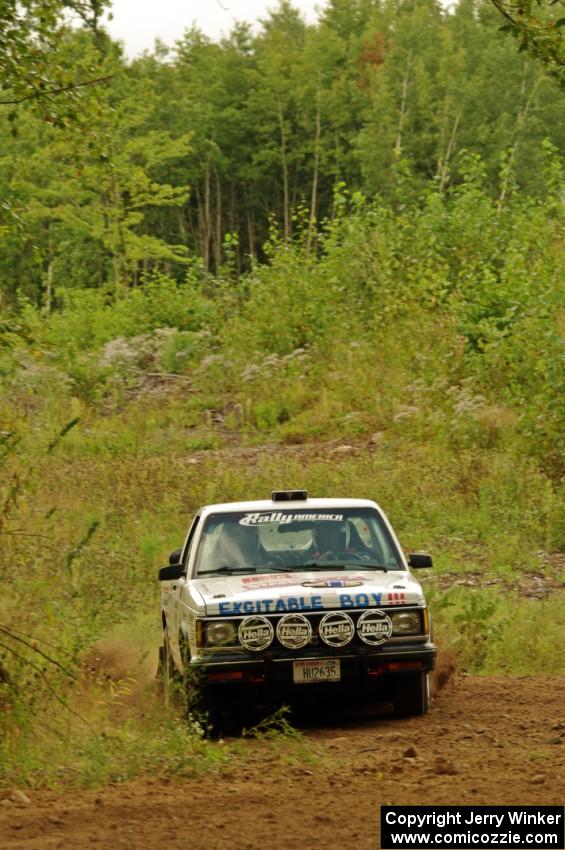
139,22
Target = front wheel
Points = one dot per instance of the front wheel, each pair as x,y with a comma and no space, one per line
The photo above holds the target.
217,714
412,694
172,680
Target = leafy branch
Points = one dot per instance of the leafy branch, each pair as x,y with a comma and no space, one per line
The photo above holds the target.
30,643
539,31
31,34
55,91
39,672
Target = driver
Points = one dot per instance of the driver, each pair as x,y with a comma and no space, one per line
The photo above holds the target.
330,539
238,546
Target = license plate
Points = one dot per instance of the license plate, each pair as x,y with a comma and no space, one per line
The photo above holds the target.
324,670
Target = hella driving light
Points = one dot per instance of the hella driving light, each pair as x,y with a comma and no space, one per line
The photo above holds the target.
294,631
406,623
255,633
221,633
374,627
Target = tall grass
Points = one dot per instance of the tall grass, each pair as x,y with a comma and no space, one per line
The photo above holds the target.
417,361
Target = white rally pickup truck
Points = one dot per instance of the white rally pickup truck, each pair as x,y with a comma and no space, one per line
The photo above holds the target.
271,596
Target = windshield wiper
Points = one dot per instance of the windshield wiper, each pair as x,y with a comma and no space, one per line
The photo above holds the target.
266,569
332,565
374,565
296,568
226,569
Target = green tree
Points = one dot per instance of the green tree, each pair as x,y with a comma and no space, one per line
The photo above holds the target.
273,99
210,82
81,192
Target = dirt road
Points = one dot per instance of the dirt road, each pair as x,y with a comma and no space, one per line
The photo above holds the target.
492,740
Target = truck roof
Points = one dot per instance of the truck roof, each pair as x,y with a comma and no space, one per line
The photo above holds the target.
298,505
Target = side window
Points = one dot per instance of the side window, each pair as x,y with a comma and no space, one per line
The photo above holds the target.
363,530
191,533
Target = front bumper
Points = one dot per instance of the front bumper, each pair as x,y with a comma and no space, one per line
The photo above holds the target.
361,667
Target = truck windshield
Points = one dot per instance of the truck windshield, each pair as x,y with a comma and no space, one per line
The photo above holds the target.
265,541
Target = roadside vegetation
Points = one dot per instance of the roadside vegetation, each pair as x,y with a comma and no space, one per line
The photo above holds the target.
402,340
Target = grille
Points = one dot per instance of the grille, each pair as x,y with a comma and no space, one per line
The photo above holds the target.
315,618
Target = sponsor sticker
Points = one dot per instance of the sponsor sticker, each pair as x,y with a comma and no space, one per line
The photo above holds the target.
336,628
284,519
266,582
272,606
333,582
374,627
294,631
255,633
330,599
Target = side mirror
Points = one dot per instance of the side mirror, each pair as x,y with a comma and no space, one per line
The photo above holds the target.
172,572
174,557
420,560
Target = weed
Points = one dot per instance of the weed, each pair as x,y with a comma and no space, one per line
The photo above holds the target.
491,631
274,727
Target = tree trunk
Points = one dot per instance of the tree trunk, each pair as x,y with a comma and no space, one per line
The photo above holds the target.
286,208
234,227
204,224
218,240
49,275
526,99
314,195
49,288
118,248
251,237
207,220
192,227
403,107
443,162
181,226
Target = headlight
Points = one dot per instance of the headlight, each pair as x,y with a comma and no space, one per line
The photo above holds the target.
406,623
221,633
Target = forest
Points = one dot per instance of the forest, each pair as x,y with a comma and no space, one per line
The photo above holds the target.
328,256
183,159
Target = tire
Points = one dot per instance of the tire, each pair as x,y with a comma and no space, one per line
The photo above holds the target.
217,718
218,711
412,695
207,706
170,677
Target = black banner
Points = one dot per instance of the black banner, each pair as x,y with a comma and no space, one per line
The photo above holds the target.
477,827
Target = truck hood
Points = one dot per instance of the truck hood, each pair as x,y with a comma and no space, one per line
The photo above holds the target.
277,593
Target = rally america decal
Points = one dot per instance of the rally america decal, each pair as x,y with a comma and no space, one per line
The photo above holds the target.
284,519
